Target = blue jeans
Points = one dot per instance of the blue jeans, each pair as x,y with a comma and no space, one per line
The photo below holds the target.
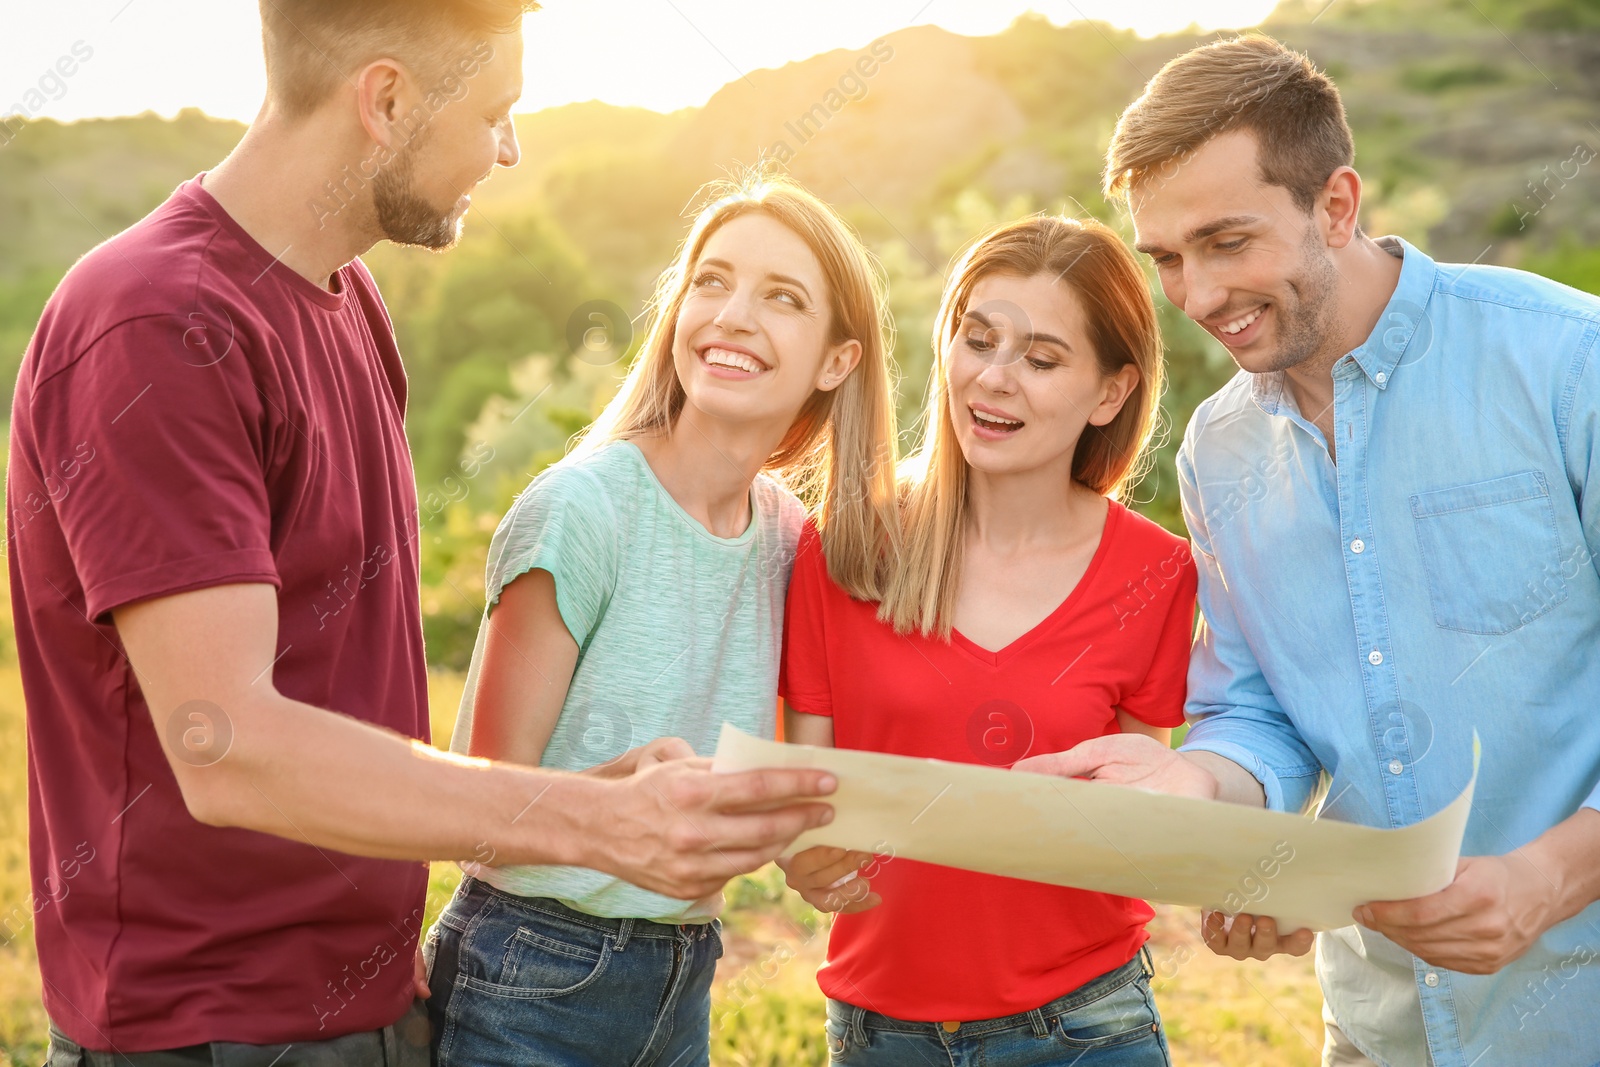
520,980
1110,1021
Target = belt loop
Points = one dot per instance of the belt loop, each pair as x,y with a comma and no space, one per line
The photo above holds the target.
857,1028
1037,1021
1146,963
624,931
391,1045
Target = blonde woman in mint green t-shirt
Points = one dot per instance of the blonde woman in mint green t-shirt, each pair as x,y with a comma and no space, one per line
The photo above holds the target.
635,604
678,631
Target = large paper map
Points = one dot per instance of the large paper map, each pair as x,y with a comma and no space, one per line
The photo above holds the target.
1304,872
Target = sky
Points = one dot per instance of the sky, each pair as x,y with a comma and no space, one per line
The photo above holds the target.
73,59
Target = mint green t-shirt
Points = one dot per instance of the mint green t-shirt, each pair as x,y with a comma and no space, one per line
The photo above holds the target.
678,631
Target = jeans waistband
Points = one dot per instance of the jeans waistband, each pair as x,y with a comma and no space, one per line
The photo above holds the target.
550,908
404,1043
858,1020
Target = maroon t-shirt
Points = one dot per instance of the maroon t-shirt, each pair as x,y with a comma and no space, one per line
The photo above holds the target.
191,413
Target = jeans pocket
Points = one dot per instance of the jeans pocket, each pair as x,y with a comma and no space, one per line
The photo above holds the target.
1125,1014
1491,553
530,959
838,1039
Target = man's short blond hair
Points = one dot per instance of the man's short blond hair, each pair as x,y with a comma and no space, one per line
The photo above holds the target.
314,46
1247,83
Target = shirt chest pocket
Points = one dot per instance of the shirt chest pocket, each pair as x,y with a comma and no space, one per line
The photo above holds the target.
1490,550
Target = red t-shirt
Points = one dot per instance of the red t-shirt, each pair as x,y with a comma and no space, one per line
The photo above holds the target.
190,414
950,944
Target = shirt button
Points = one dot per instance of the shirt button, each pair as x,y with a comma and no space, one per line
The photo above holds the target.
1358,546
1374,657
1431,978
1395,767
1380,377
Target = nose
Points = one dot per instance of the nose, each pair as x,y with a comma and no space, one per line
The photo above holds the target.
1203,295
510,153
735,315
997,377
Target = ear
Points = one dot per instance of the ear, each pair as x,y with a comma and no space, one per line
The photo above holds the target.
1118,387
381,90
837,363
1340,205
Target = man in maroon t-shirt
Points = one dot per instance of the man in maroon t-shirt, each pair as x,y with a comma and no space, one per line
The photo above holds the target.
213,560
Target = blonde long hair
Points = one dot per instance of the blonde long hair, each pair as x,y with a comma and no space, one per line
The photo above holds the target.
1090,257
838,455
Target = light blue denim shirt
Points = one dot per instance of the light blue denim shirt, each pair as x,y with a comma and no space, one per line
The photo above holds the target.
1362,620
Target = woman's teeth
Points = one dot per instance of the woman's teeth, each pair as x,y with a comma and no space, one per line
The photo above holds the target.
721,357
995,422
1240,323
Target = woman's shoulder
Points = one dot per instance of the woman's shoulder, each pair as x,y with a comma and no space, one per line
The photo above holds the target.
1144,535
781,510
579,491
1143,547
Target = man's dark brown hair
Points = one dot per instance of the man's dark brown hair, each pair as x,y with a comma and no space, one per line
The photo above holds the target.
1252,83
313,45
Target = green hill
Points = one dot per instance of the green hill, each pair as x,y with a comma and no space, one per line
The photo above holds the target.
1475,125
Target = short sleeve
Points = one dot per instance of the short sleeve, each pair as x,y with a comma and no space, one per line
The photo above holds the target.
803,671
1158,701
170,494
563,523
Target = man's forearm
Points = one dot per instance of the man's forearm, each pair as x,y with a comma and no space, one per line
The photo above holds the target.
312,775
1234,784
1567,856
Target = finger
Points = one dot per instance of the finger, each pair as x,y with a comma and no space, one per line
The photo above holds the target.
765,830
1086,759
1433,912
1241,936
1214,931
815,858
419,976
708,873
1298,943
770,788
852,892
871,900
669,748
844,873
1264,941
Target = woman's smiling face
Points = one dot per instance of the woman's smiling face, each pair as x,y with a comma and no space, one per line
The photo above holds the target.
1024,381
751,341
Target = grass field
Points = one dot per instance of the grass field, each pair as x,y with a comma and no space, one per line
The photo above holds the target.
768,1011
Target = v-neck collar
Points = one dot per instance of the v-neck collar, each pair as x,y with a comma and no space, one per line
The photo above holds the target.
1114,512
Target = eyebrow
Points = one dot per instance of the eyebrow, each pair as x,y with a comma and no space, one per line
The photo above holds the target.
1201,232
786,279
1045,338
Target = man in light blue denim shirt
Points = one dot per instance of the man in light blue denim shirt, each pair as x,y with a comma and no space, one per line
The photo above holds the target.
1395,509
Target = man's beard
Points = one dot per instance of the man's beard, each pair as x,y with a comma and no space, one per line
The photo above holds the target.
1304,329
403,215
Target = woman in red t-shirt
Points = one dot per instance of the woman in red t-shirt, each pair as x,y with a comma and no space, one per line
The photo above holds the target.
1026,611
